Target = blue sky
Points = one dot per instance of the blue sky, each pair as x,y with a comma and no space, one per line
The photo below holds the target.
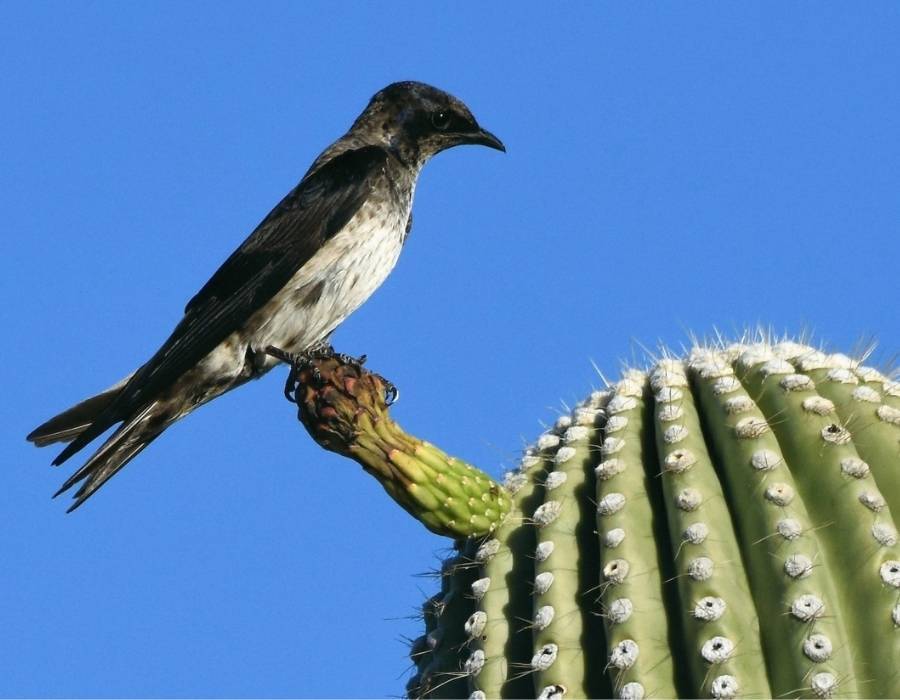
671,168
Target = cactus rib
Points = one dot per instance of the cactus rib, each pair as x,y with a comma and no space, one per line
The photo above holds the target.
565,582
632,606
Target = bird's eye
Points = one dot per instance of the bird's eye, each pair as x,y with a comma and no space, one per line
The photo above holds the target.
440,120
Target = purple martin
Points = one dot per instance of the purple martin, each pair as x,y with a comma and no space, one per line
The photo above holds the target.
312,261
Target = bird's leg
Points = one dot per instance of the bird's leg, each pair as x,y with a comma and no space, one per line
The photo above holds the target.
282,355
296,361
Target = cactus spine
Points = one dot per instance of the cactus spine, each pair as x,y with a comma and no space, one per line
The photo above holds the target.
718,526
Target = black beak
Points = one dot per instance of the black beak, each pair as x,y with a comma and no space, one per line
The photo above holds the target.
483,137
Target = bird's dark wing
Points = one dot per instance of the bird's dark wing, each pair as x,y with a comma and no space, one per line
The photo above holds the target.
314,211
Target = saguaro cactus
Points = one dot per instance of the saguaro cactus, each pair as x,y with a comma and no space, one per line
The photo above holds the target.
716,526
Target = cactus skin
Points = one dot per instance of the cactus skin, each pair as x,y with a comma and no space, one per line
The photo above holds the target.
344,409
718,526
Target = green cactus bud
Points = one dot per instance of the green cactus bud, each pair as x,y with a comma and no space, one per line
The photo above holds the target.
344,408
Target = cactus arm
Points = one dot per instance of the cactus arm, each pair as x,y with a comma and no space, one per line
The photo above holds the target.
344,409
856,542
503,589
566,634
782,565
632,605
724,651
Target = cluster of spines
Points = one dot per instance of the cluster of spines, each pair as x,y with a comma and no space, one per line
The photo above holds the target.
758,480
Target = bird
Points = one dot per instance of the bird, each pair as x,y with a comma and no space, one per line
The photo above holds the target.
313,260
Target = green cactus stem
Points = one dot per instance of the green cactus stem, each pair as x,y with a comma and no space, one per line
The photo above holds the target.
344,409
566,577
720,525
705,547
504,592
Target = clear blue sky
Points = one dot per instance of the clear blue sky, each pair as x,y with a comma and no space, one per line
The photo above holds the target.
670,168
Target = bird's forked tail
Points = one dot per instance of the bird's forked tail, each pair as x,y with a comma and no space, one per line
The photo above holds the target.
133,435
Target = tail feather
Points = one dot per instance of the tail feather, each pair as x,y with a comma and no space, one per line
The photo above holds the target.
121,447
84,420
72,422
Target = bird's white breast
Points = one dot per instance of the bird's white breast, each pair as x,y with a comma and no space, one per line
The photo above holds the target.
330,286
335,281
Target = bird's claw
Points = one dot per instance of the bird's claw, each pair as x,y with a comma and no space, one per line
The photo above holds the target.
391,392
296,361
307,359
289,384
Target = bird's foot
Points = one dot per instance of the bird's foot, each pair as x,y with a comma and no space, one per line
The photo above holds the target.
296,361
318,352
391,392
309,364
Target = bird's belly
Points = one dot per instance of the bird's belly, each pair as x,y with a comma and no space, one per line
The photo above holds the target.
329,287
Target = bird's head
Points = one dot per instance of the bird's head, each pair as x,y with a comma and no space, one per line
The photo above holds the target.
416,121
